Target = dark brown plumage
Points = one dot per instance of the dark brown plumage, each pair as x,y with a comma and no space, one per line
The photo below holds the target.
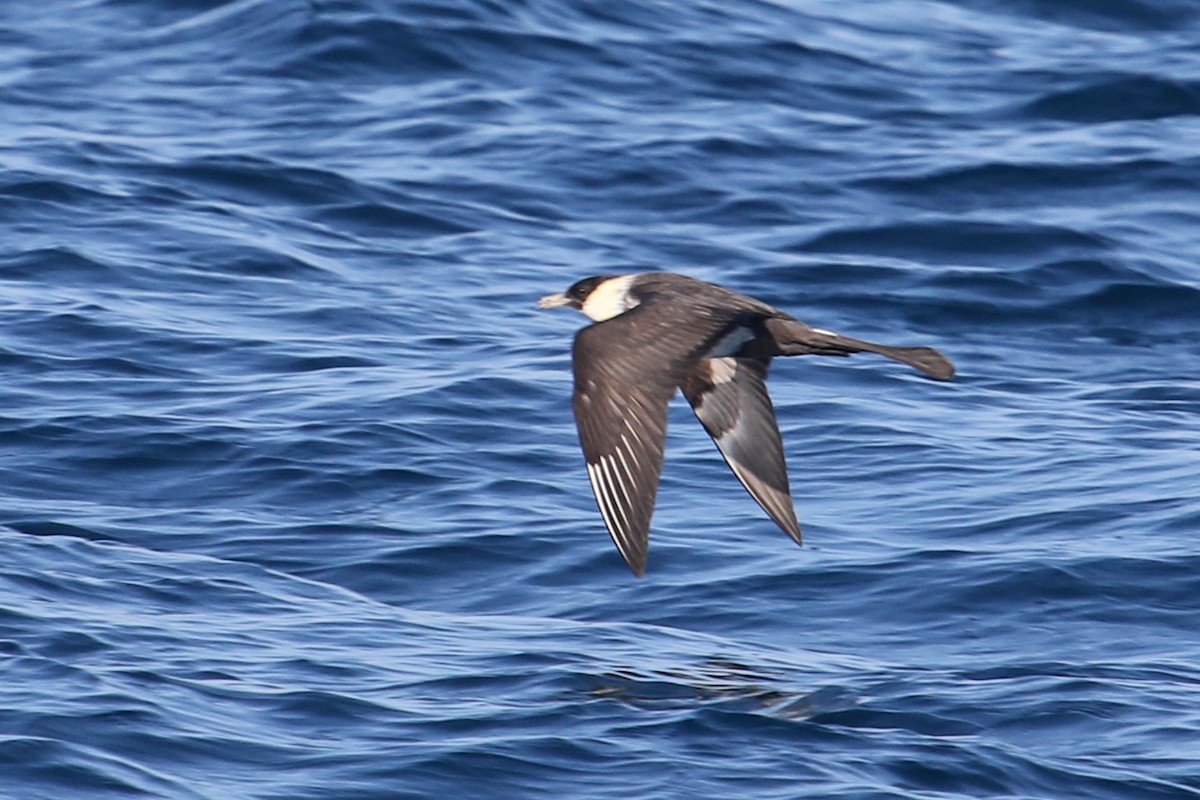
658,332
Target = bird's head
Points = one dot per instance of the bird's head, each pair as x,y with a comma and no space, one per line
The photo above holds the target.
600,297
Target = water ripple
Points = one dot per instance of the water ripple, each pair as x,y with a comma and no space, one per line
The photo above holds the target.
291,496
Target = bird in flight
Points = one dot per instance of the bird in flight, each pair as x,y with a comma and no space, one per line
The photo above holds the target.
656,332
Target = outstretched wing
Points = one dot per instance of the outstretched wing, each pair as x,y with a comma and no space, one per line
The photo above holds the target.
729,396
626,370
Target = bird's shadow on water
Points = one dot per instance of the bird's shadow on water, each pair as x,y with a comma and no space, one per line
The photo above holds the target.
719,683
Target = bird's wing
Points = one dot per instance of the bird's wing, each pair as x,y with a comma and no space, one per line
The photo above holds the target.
729,396
626,370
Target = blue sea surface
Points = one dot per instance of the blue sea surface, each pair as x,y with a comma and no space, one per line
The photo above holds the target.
291,499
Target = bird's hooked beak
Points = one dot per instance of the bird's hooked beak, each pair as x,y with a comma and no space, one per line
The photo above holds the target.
556,300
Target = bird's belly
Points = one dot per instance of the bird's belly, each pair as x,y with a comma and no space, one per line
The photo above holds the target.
731,343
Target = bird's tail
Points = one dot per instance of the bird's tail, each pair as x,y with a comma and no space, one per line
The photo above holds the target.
794,338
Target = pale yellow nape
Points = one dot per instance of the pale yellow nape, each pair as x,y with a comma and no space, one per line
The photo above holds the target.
609,299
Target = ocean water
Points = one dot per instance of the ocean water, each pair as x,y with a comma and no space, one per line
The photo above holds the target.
291,502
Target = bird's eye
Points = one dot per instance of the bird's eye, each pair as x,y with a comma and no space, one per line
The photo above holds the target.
582,289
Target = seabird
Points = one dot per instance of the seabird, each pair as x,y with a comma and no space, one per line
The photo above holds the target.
656,332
